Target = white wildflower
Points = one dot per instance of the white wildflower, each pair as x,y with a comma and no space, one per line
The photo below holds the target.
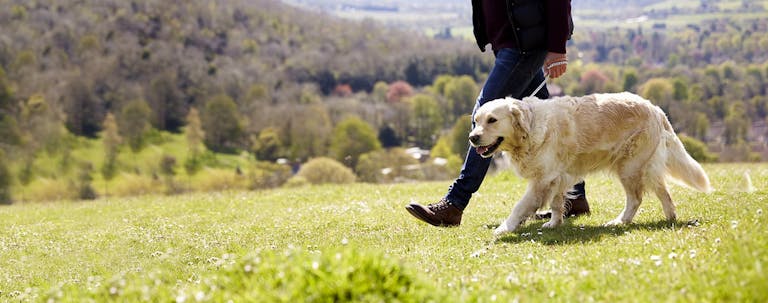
656,259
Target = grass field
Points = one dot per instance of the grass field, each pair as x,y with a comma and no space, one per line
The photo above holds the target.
357,243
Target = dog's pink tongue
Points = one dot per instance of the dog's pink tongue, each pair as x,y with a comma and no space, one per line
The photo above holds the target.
481,149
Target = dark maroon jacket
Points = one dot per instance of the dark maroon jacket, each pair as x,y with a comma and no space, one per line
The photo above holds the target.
523,24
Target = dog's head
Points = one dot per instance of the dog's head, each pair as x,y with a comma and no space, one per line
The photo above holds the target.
500,124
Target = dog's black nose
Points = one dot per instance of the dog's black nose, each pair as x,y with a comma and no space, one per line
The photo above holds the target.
474,139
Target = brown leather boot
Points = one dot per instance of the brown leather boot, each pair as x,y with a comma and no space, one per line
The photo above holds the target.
573,207
442,213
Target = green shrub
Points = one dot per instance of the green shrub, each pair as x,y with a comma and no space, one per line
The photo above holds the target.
384,165
296,181
326,170
697,149
217,179
268,175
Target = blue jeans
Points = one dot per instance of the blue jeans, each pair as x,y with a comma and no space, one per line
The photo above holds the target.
513,75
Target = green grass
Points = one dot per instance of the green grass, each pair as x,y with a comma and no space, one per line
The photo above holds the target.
356,242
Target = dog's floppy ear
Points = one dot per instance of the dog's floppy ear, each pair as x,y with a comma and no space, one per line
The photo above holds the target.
520,115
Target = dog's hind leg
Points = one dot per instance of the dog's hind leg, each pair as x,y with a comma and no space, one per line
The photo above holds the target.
557,205
660,188
557,202
633,187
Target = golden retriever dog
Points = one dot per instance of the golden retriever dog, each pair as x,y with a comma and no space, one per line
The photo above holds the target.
555,143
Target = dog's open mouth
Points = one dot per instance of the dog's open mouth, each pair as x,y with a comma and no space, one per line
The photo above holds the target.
488,150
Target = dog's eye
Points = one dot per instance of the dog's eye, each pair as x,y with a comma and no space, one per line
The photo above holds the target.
491,120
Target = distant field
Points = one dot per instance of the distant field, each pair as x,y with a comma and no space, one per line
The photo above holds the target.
356,242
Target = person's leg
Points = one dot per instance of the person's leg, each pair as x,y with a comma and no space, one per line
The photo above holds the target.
513,75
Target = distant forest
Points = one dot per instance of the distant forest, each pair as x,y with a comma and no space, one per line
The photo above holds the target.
276,81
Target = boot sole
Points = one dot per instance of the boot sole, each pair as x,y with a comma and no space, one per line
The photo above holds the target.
414,212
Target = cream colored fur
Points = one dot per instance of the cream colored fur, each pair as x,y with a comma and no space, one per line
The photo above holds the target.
555,143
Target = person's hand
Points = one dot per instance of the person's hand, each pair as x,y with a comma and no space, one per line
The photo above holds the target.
555,64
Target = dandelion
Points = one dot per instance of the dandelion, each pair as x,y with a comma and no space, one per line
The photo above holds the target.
199,296
656,260
512,278
477,253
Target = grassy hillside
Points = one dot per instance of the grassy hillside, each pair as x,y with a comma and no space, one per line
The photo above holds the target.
333,243
56,176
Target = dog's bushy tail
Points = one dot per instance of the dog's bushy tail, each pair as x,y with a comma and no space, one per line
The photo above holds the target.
680,165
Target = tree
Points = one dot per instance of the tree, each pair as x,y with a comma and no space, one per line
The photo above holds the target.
222,124
399,90
388,137
459,136
166,102
134,123
6,180
351,138
268,144
84,189
426,120
737,125
593,81
168,170
111,140
680,90
194,134
659,91
461,94
85,111
630,81
309,131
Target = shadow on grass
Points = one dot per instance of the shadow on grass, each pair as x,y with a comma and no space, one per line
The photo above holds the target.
572,234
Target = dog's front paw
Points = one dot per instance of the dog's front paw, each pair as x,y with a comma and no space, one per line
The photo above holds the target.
552,224
614,222
506,227
503,229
